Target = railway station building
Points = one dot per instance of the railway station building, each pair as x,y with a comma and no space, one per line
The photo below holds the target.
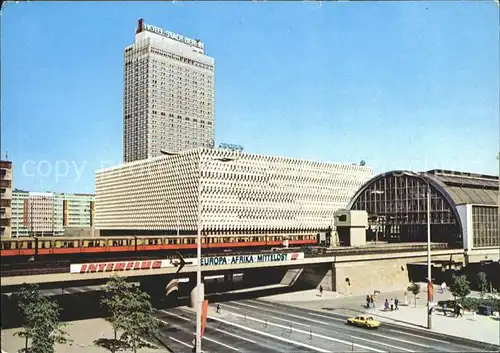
230,192
464,208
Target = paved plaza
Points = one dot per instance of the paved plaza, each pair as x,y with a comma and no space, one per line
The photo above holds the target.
82,332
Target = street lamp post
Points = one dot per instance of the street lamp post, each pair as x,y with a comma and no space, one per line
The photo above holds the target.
429,272
201,166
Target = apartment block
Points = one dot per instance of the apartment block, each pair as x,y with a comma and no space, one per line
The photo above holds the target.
5,198
47,214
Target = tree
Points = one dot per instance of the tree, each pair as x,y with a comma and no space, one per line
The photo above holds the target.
415,289
41,321
114,301
140,325
482,283
131,316
459,286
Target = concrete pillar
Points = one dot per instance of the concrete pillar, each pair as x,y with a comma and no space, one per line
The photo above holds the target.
193,295
228,278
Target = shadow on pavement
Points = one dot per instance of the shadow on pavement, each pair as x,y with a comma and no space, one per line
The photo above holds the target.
86,305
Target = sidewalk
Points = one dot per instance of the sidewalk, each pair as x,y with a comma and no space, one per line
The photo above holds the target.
483,329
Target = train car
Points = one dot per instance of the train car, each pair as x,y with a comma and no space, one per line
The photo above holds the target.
64,245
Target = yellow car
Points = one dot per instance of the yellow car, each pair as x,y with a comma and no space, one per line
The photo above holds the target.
364,321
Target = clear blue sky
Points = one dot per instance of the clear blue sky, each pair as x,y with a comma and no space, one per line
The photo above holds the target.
402,85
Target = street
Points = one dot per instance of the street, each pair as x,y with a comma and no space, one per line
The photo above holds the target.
260,326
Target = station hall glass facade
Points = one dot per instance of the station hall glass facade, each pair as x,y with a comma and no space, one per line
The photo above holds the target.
396,203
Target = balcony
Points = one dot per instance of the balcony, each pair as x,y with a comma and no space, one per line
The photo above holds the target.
6,165
5,202
5,183
5,222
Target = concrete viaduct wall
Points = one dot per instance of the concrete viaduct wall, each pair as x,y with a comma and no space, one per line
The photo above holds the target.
367,274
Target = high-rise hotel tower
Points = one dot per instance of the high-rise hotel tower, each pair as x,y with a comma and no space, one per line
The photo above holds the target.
168,94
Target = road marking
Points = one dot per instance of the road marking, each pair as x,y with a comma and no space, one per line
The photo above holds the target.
262,303
310,333
172,314
327,317
176,340
270,335
232,334
383,344
401,340
162,321
371,333
286,314
414,335
275,318
222,344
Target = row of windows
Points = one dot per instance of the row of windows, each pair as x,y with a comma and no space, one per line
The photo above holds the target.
182,59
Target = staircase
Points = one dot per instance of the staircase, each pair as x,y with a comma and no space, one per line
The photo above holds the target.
291,277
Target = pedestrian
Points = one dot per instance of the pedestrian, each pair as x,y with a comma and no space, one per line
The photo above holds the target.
386,305
367,301
218,308
392,304
372,301
443,287
396,302
321,290
443,308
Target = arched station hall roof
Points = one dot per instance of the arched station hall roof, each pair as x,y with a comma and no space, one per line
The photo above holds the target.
396,202
457,187
467,188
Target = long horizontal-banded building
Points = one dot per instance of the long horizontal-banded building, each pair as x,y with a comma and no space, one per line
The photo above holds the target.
238,193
